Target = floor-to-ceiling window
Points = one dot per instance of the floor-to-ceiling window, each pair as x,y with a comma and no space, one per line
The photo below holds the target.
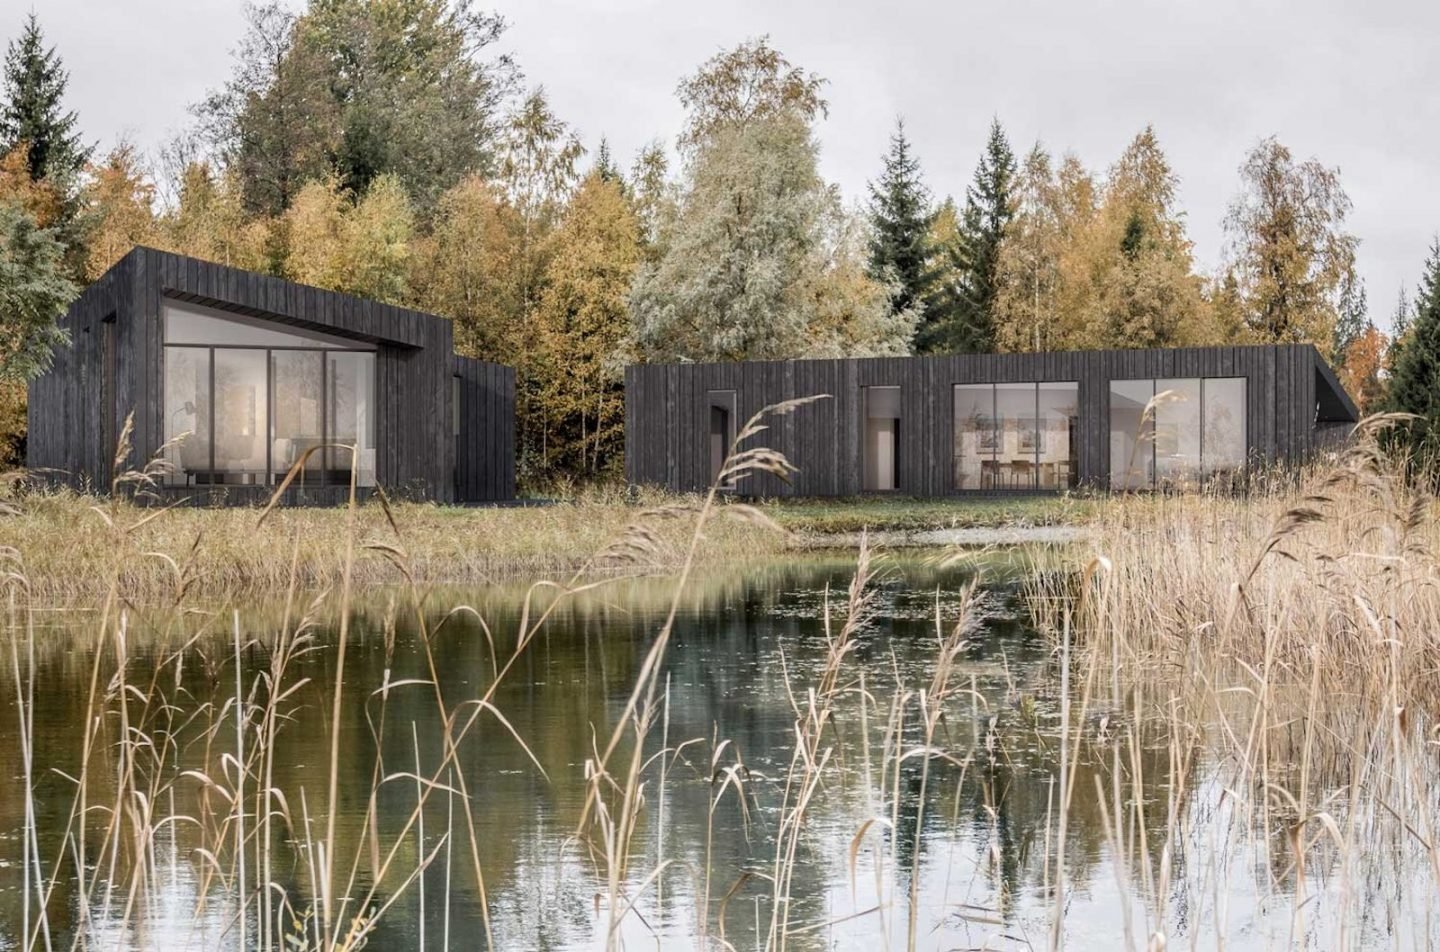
881,450
1015,435
1057,458
246,399
975,436
1175,433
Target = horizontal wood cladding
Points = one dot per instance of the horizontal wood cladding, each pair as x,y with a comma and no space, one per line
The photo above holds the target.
76,410
1289,392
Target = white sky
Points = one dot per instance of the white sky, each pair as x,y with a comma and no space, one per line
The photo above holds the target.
1355,84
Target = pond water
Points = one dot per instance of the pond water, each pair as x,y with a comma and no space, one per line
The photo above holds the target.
908,838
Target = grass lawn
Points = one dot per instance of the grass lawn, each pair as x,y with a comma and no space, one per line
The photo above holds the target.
881,513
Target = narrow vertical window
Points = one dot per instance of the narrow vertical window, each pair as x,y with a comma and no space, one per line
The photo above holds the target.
187,415
721,432
881,448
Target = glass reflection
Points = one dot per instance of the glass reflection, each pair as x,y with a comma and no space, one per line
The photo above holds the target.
1058,409
298,414
1177,433
240,410
187,412
974,458
1132,435
1224,426
351,380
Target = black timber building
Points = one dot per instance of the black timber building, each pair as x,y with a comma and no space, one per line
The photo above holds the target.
941,425
233,376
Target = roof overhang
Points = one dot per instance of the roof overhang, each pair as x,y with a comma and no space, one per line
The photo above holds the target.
1332,403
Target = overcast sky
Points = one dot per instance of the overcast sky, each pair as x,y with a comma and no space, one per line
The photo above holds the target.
1355,84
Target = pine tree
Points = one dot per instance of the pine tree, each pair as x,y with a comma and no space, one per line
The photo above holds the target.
968,323
900,220
1415,383
33,114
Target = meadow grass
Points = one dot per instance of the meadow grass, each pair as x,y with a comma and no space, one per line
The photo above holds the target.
221,551
67,550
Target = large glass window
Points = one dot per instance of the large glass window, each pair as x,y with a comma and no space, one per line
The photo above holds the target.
1015,435
187,413
277,393
1056,450
350,382
1177,433
1172,434
974,436
882,438
299,413
1224,438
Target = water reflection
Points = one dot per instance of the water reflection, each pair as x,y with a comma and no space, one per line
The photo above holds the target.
973,852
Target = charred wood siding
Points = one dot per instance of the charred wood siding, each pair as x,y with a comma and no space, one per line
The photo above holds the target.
414,369
1291,396
485,445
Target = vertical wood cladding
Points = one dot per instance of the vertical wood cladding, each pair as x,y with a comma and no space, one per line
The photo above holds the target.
1291,397
77,408
487,431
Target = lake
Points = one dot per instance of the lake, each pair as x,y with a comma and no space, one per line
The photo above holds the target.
894,784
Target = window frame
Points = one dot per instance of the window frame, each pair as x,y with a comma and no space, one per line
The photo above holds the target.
1158,385
990,431
865,418
271,477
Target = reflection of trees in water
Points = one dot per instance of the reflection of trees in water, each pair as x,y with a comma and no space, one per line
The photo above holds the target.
743,648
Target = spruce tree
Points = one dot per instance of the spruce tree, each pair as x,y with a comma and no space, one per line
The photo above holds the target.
1353,317
33,114
900,217
966,321
1415,382
605,164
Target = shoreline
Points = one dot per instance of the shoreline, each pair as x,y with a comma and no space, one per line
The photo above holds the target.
70,547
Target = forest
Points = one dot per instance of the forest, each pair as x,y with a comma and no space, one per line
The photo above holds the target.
389,149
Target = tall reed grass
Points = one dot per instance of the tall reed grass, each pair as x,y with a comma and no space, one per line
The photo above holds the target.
1240,699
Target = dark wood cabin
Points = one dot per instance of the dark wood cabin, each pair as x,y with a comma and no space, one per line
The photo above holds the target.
233,376
990,423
